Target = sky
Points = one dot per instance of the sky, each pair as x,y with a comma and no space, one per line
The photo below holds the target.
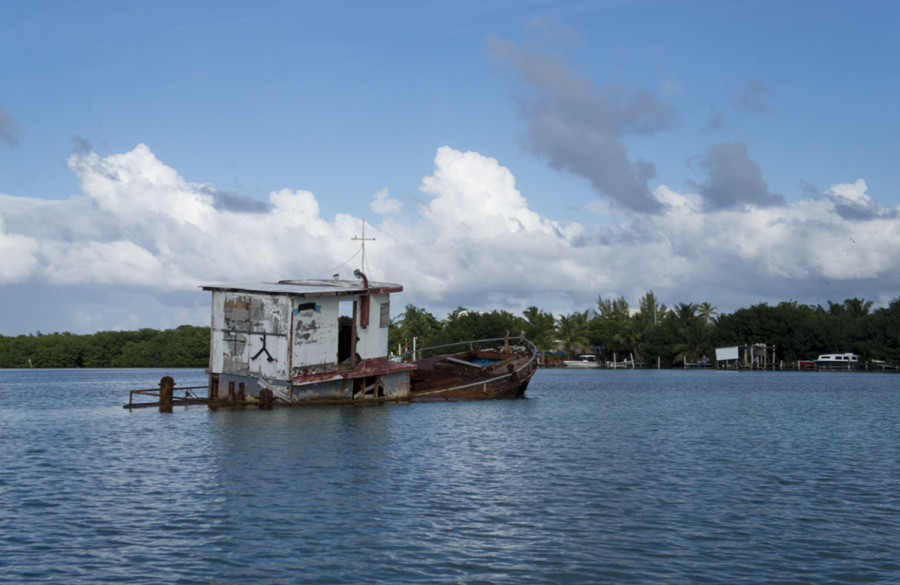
501,154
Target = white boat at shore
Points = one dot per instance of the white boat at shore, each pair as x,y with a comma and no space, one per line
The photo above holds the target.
583,361
837,361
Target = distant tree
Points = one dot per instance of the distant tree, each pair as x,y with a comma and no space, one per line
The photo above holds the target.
414,323
540,328
634,333
796,331
612,309
651,308
610,328
457,313
685,312
659,342
469,325
696,337
836,309
693,338
878,336
573,332
856,308
707,312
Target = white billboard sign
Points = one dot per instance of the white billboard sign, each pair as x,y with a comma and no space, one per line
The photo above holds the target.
726,353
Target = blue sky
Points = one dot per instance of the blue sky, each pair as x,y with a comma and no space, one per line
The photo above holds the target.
503,154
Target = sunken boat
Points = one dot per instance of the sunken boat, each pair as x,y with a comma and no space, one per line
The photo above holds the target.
297,342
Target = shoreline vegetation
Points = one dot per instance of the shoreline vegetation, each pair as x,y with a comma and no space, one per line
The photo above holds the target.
186,346
651,334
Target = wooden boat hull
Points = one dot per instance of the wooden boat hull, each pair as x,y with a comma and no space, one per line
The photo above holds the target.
502,372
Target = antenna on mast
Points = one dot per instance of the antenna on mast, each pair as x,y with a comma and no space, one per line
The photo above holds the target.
363,239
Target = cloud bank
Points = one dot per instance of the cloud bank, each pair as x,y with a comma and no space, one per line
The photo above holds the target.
471,241
734,180
578,126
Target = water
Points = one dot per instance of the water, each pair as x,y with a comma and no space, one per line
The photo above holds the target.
596,477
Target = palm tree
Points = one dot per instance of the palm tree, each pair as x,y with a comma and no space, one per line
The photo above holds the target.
572,332
685,312
836,309
695,341
414,322
856,308
693,331
612,309
634,332
650,306
540,327
707,312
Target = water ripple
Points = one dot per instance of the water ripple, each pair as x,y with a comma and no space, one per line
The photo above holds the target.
597,477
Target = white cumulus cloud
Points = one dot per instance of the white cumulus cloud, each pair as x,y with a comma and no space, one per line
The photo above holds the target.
384,204
474,241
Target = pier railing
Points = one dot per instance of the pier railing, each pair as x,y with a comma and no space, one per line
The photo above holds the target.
188,396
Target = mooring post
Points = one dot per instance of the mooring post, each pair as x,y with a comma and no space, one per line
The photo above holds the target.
166,392
266,399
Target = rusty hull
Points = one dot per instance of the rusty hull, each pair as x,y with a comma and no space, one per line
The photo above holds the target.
456,377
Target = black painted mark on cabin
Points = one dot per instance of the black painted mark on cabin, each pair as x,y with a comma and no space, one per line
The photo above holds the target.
263,349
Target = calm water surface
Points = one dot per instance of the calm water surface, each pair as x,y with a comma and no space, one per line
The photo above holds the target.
596,477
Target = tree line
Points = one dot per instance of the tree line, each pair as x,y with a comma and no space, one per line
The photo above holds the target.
654,334
184,347
651,333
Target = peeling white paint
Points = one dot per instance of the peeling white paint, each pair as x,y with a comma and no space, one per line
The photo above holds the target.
280,333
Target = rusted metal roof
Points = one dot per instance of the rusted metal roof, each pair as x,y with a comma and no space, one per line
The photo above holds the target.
310,288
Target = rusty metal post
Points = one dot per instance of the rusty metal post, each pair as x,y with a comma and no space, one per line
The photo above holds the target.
231,391
166,392
242,392
353,336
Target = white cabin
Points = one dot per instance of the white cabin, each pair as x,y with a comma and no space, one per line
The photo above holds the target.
306,340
